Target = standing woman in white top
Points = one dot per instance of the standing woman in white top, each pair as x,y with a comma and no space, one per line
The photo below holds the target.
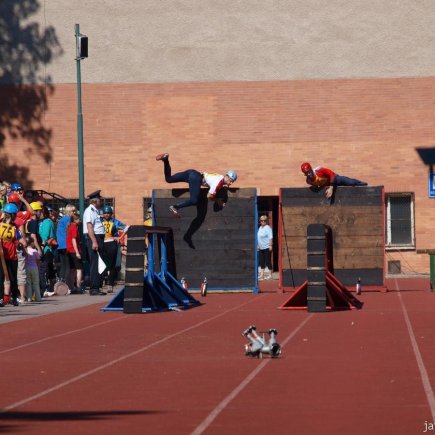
196,179
264,246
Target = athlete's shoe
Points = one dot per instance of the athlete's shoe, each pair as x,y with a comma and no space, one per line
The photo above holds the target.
163,156
174,211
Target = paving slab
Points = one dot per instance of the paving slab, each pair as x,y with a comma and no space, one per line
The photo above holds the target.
53,304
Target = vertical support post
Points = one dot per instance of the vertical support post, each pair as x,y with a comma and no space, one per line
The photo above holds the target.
80,144
280,242
80,130
163,255
256,287
150,271
432,271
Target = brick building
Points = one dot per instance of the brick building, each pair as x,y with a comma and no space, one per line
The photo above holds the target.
259,87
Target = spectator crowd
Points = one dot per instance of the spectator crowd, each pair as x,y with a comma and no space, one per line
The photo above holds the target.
41,253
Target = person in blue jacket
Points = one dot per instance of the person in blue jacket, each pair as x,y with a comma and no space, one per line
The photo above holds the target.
61,231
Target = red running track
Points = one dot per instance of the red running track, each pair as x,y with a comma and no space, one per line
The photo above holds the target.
83,371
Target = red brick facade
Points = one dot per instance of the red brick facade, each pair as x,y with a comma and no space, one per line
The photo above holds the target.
368,129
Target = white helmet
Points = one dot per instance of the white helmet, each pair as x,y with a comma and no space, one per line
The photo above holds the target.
232,174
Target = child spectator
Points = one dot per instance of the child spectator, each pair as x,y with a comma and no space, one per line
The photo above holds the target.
8,271
32,270
73,248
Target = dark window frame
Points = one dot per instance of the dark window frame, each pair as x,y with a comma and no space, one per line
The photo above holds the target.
393,221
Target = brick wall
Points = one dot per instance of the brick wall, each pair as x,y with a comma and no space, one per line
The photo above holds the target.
363,128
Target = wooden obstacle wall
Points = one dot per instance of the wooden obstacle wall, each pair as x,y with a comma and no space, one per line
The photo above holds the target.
356,217
218,244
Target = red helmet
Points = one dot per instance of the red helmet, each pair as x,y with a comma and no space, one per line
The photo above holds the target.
306,167
13,197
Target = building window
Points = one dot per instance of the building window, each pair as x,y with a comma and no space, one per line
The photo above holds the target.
400,221
59,202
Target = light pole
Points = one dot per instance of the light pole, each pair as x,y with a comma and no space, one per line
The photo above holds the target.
81,53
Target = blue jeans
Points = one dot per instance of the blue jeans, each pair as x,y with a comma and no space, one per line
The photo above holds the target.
192,177
341,180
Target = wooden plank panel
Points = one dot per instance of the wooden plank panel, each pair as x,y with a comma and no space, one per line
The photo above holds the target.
219,234
344,262
361,244
330,210
218,244
372,258
368,262
360,217
354,243
204,259
246,192
298,224
370,277
347,196
356,219
205,247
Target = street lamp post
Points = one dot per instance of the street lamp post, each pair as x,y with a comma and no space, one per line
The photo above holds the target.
81,53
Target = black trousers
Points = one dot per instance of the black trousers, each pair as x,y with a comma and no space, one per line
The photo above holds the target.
50,267
192,177
111,252
64,264
94,277
264,258
12,267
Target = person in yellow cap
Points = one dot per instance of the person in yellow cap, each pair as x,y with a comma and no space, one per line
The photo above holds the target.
32,225
32,230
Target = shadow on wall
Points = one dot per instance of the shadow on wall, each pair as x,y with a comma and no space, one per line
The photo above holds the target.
25,49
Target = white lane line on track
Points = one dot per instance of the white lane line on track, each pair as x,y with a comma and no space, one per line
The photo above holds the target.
117,360
51,337
226,401
420,363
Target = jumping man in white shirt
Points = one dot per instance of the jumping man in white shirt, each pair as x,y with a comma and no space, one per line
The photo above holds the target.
196,179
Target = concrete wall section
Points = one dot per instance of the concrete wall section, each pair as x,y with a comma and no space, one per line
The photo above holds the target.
143,41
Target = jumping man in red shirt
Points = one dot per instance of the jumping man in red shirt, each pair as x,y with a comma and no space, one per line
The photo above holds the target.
323,177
